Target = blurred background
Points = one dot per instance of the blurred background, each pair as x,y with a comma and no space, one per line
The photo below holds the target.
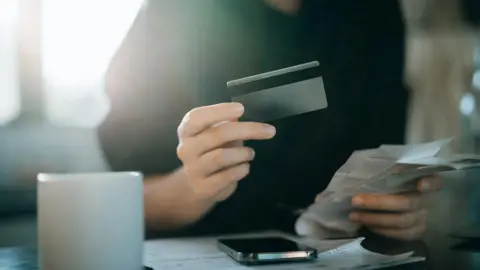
54,53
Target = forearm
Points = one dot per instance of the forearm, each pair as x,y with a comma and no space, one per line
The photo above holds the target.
170,203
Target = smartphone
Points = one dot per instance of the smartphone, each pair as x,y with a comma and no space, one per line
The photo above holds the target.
266,250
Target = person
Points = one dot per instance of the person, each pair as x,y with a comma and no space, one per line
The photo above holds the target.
207,171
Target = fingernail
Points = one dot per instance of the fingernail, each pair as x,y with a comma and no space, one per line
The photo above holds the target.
354,216
253,154
270,129
358,201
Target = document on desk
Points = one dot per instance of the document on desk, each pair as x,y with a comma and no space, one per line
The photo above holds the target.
203,254
388,169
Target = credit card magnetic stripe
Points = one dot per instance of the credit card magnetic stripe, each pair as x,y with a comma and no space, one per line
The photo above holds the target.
273,73
281,77
281,93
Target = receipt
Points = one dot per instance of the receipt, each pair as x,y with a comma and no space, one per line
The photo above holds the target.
388,169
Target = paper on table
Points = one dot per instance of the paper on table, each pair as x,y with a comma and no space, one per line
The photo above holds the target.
202,254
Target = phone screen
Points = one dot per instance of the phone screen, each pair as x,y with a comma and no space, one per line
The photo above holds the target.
262,245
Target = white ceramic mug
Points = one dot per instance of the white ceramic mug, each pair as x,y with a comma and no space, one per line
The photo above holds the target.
90,221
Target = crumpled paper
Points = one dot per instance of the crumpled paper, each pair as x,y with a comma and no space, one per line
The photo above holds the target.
388,169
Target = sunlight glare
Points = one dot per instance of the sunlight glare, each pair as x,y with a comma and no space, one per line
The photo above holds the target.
79,39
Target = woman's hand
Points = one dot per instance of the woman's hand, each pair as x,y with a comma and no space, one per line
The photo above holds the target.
398,216
211,149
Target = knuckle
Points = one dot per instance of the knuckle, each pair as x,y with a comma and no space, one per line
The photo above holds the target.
180,130
220,133
219,157
192,115
182,151
190,121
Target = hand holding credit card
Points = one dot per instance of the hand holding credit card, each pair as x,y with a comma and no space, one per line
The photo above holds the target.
280,93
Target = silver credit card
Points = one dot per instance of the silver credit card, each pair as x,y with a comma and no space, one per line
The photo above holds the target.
280,93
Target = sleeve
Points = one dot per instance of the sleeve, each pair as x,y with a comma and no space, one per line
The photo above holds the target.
386,116
149,86
472,11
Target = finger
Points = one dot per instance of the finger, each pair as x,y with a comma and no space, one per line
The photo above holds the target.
221,158
233,144
386,221
387,202
228,132
212,186
410,234
201,118
430,184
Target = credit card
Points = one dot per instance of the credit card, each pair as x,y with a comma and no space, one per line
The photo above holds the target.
280,93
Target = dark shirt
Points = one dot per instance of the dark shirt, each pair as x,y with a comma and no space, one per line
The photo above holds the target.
471,10
180,54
